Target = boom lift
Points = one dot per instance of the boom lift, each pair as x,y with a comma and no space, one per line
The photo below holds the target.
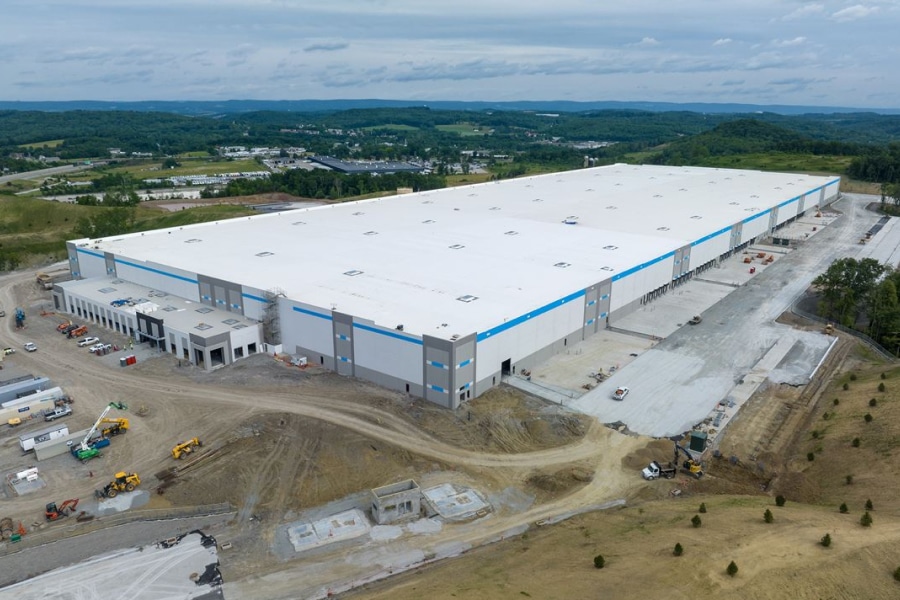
68,506
124,482
690,465
84,451
183,449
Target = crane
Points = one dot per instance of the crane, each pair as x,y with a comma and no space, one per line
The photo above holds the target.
83,451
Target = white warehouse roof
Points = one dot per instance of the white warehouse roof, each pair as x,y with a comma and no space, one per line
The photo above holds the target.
408,259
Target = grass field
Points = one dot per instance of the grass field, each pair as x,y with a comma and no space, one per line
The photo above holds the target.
152,170
463,129
47,144
36,230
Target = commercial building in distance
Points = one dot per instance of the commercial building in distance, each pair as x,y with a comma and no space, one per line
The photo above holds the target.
438,293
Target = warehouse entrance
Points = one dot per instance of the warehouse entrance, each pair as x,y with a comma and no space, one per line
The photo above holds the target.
506,368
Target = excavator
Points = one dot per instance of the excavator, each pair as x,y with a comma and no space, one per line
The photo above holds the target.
53,512
185,448
690,465
124,482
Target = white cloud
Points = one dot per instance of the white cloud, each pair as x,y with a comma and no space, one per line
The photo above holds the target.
647,42
852,13
793,42
722,41
804,12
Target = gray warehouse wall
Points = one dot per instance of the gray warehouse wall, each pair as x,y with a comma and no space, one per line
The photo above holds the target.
221,294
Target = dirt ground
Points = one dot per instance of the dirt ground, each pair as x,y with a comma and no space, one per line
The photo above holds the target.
764,453
278,440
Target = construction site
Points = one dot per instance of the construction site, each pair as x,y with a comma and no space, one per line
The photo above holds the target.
268,478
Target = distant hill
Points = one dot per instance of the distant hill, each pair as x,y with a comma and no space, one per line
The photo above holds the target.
210,108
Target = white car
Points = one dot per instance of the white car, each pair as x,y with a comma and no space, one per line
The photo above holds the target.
30,347
88,341
620,393
99,347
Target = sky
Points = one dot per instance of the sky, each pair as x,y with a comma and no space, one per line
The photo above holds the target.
825,53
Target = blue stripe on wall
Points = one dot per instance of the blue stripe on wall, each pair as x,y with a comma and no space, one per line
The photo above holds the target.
311,313
535,313
642,266
706,238
390,334
757,216
464,363
97,254
252,297
152,270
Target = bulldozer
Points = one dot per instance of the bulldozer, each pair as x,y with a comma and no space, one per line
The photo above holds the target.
124,482
183,449
53,513
691,465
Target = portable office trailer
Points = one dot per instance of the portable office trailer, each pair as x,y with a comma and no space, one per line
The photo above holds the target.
28,440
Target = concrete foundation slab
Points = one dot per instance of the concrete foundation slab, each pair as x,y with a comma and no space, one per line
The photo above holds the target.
21,487
454,503
342,526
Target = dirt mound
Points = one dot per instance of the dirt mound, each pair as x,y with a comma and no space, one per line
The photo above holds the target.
561,481
659,450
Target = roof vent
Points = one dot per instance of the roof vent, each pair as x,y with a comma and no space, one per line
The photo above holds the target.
264,254
299,223
371,233
562,265
512,233
467,298
428,221
353,273
610,247
662,228
356,214
456,247
696,217
192,241
571,220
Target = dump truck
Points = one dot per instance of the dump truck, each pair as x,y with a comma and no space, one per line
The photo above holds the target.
655,470
124,482
44,280
184,448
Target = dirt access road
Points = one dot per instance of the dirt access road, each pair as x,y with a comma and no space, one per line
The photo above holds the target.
283,440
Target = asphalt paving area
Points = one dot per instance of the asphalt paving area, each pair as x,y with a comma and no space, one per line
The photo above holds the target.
694,373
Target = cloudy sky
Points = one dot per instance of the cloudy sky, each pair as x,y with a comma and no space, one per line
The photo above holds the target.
825,53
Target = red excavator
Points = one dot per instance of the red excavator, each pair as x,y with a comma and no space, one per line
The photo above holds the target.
68,506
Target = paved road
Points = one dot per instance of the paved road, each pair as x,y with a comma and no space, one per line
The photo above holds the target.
676,384
44,172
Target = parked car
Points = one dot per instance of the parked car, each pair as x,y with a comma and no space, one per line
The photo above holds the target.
58,412
30,347
88,341
100,348
620,393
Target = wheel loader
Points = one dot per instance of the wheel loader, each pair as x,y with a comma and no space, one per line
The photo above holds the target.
124,482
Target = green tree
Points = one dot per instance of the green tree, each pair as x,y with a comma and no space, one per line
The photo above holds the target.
768,517
702,507
779,500
843,508
866,519
599,561
826,540
869,505
732,569
677,550
696,521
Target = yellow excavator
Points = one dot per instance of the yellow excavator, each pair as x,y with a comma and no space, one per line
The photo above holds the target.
691,465
124,482
184,448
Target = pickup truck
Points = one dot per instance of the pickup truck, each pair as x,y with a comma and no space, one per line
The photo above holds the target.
655,470
59,411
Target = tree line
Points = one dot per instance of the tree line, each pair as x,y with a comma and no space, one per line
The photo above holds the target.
862,294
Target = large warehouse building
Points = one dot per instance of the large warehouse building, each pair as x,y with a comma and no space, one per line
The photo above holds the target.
438,293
